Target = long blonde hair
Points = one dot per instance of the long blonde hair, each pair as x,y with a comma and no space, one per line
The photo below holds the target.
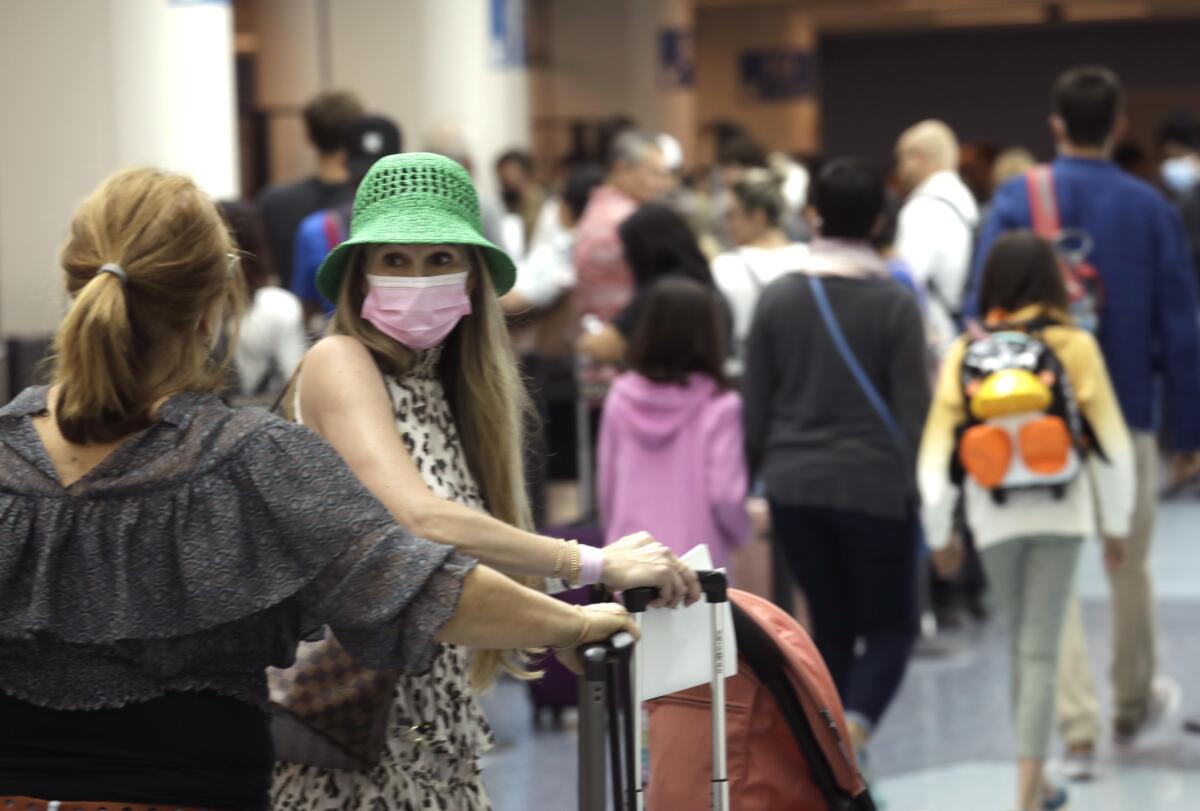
127,343
486,396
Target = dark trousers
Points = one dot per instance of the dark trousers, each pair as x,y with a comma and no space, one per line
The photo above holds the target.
859,575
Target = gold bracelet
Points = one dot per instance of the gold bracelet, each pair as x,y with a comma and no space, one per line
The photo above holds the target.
576,564
560,558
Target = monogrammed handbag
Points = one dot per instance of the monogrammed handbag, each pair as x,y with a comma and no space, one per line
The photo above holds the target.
327,710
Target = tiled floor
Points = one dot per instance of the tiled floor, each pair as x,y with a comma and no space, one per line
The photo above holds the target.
946,745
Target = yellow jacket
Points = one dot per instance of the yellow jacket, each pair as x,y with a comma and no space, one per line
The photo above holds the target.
1103,487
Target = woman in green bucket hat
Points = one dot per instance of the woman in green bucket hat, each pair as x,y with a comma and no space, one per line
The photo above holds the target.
417,388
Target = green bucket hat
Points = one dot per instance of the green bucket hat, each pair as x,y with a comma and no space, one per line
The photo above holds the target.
415,198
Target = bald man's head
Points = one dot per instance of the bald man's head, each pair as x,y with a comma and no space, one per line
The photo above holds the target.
923,150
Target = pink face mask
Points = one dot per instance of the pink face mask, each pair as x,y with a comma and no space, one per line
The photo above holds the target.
417,312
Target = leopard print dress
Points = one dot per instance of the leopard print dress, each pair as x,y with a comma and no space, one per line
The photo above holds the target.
437,731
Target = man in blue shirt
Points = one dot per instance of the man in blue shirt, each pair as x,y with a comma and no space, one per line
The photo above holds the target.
366,140
1151,342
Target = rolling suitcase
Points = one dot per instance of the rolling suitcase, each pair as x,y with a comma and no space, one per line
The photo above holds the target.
610,699
786,735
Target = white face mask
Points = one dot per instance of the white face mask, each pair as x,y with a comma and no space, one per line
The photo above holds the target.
1180,174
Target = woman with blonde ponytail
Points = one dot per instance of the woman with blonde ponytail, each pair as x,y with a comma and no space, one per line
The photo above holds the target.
163,550
417,388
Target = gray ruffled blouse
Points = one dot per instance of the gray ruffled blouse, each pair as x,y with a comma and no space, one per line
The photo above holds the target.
196,555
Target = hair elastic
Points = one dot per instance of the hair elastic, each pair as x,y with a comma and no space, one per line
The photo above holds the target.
116,270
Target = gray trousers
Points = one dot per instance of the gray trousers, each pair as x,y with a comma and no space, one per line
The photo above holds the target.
1033,580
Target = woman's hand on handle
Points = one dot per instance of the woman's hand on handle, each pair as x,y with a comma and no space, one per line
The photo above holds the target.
639,560
596,624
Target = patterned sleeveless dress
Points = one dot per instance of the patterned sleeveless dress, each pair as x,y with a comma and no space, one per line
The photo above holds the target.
438,730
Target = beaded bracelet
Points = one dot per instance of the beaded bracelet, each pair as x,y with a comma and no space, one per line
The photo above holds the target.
559,558
576,565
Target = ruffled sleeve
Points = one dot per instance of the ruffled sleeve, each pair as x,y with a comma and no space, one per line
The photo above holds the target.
384,592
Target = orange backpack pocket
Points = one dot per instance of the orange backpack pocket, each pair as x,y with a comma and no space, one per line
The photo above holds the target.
1046,445
986,453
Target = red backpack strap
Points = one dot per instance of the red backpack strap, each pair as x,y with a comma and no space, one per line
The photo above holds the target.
1043,204
333,230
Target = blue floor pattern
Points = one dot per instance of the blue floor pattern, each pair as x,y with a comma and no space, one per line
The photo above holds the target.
946,745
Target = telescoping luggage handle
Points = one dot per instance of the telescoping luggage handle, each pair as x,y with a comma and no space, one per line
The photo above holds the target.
599,691
715,587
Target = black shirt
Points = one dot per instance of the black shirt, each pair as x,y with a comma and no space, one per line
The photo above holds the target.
283,207
196,749
811,432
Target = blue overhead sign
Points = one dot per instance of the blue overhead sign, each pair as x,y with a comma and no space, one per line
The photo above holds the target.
506,45
675,57
780,74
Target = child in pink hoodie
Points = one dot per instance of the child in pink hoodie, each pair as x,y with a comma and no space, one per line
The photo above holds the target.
671,458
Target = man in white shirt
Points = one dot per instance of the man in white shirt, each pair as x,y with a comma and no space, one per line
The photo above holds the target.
539,300
937,224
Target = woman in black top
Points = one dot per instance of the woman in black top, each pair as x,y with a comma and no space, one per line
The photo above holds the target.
658,243
161,550
840,470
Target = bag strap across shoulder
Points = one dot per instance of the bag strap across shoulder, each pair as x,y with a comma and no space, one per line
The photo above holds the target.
1043,204
855,368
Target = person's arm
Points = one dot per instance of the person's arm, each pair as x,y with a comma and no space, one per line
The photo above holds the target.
611,343
1114,475
496,613
345,401
1177,329
389,597
918,238
542,279
726,478
908,389
606,346
513,303
938,492
758,378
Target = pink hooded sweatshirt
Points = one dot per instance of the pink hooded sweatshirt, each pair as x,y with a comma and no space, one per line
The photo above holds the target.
672,463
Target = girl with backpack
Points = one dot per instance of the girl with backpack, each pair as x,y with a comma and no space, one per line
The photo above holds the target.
1025,424
671,446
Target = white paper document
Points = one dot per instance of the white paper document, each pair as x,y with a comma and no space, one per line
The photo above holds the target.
676,651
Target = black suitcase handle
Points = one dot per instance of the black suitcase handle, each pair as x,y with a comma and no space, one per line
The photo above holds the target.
604,701
610,697
714,584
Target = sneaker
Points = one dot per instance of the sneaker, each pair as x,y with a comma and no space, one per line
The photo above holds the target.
1055,799
1166,695
1079,763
